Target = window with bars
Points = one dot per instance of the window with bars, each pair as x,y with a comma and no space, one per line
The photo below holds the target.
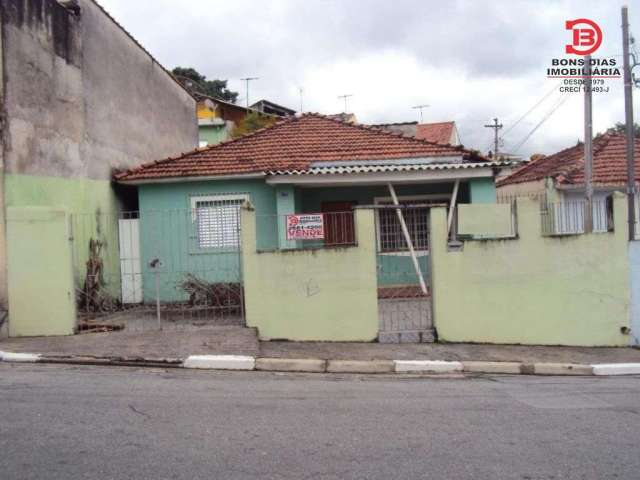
218,220
390,235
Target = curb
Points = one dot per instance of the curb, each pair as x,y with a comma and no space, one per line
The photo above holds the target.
316,365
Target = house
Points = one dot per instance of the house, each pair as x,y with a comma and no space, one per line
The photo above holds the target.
271,108
72,113
307,164
217,119
559,180
445,133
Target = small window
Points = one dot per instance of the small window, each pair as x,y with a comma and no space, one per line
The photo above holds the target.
218,220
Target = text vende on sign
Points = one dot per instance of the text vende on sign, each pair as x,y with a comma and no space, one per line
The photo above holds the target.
305,227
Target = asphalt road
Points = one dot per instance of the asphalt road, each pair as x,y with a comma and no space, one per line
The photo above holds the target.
62,422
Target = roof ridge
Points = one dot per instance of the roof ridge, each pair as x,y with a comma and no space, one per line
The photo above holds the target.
374,128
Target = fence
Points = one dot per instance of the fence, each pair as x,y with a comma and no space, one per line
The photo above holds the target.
169,269
570,217
305,231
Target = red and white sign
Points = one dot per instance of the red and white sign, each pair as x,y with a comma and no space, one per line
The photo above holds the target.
305,227
586,36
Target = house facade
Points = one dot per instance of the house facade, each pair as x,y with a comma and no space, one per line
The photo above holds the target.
558,179
302,165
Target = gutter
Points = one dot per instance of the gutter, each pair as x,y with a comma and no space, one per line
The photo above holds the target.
204,178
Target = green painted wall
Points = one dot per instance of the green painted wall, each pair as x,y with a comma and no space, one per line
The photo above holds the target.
570,290
482,190
392,269
324,294
212,134
94,214
41,287
167,232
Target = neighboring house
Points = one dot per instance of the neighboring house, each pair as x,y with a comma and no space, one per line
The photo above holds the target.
305,164
80,97
265,106
445,133
217,119
344,117
559,180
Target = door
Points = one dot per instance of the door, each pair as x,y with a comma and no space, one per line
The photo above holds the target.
130,264
338,223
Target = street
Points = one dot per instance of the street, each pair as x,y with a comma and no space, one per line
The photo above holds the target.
66,422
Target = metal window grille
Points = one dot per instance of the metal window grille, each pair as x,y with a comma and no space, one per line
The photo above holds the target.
391,236
218,223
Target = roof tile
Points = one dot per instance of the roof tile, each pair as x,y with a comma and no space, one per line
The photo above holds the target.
292,144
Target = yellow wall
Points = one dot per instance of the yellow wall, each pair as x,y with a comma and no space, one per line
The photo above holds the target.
323,294
571,290
204,112
41,289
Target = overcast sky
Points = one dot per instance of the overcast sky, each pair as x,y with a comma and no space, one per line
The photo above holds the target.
469,60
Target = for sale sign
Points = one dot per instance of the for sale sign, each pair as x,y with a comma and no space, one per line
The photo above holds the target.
305,227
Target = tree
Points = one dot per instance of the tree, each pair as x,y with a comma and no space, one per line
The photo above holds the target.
195,82
251,122
622,128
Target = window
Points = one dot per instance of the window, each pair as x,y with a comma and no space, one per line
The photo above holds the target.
217,220
390,235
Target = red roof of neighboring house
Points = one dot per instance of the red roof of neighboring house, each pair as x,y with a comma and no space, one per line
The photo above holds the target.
567,166
293,144
441,132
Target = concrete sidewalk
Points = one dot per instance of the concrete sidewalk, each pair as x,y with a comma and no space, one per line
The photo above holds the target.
231,340
152,345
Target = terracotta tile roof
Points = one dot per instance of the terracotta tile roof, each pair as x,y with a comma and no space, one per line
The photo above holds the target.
441,132
567,166
292,144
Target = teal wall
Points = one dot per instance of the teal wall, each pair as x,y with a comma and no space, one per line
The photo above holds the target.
167,232
212,134
392,269
482,190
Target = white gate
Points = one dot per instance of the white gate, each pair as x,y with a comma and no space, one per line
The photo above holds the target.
130,264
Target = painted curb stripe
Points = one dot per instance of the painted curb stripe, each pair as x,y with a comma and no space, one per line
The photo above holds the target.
20,357
430,366
220,362
616,369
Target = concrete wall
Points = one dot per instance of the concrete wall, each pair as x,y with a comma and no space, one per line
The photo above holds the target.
323,294
634,267
41,288
571,290
80,98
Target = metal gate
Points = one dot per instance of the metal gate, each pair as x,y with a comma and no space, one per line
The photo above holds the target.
168,270
404,301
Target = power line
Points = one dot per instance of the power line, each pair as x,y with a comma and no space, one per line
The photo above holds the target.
496,127
542,120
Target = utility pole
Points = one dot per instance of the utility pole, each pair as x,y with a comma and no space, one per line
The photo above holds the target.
247,80
420,107
496,126
628,115
345,96
588,146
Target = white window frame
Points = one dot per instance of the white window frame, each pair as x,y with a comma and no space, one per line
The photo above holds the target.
195,199
385,200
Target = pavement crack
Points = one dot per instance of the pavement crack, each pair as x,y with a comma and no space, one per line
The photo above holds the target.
135,410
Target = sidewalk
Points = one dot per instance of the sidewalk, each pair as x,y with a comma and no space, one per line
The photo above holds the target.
231,340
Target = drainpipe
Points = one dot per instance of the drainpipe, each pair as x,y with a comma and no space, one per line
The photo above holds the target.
407,238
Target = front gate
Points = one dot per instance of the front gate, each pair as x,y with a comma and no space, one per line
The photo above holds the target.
168,270
404,302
